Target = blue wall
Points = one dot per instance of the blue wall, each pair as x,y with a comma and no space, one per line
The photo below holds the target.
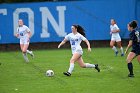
93,15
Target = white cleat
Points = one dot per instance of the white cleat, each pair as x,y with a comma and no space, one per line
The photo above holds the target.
32,54
26,59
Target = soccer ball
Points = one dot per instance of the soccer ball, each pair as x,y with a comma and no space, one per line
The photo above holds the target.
49,73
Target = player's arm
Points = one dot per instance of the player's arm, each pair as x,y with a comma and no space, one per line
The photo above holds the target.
88,44
62,43
115,31
29,34
129,45
16,35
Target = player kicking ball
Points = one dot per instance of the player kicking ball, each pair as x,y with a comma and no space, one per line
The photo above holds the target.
75,39
24,34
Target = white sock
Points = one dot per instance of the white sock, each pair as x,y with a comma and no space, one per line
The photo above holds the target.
121,50
71,67
28,51
90,65
25,57
115,49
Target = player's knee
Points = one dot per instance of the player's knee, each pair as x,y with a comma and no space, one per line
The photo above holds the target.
139,60
72,60
128,60
111,45
24,51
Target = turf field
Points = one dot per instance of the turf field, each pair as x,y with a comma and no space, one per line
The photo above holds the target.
16,76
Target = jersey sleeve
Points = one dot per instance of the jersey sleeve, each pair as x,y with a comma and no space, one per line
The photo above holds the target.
82,37
116,27
27,29
67,37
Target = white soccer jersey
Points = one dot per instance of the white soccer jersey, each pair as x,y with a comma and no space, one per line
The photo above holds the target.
115,36
114,27
23,31
75,41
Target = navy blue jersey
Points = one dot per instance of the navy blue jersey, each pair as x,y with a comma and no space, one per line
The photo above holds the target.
135,37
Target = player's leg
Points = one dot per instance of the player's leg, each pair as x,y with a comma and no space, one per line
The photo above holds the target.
87,65
112,43
24,51
138,58
21,46
121,48
129,59
27,41
72,61
31,53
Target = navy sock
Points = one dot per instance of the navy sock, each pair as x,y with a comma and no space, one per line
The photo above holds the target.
130,68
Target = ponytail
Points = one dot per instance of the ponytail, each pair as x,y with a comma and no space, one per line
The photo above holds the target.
80,30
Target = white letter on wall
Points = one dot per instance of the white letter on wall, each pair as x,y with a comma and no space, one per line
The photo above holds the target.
4,12
30,18
59,28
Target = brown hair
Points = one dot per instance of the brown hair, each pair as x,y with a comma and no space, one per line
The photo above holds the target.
80,30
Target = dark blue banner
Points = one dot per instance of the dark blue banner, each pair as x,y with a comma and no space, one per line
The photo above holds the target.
51,21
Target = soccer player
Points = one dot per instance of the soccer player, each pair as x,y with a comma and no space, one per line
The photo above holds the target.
135,43
75,39
115,38
24,34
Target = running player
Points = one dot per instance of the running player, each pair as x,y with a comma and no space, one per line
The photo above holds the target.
135,43
24,33
115,37
75,39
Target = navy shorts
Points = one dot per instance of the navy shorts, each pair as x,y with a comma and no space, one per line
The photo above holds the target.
137,52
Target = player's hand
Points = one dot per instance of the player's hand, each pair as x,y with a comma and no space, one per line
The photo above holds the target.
59,46
89,49
16,35
110,33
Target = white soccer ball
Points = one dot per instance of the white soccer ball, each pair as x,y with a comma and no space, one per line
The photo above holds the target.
49,73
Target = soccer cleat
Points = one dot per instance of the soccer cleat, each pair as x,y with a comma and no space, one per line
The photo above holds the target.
32,54
97,68
122,54
26,59
116,53
130,75
67,73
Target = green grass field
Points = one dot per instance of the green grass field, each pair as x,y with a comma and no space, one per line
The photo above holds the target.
16,76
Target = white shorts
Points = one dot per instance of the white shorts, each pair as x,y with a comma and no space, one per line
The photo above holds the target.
24,41
116,38
79,52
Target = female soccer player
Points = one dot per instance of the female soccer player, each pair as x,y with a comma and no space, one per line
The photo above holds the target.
135,43
75,39
24,33
115,37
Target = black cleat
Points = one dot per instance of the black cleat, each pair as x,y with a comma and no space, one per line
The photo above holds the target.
130,75
97,68
67,73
